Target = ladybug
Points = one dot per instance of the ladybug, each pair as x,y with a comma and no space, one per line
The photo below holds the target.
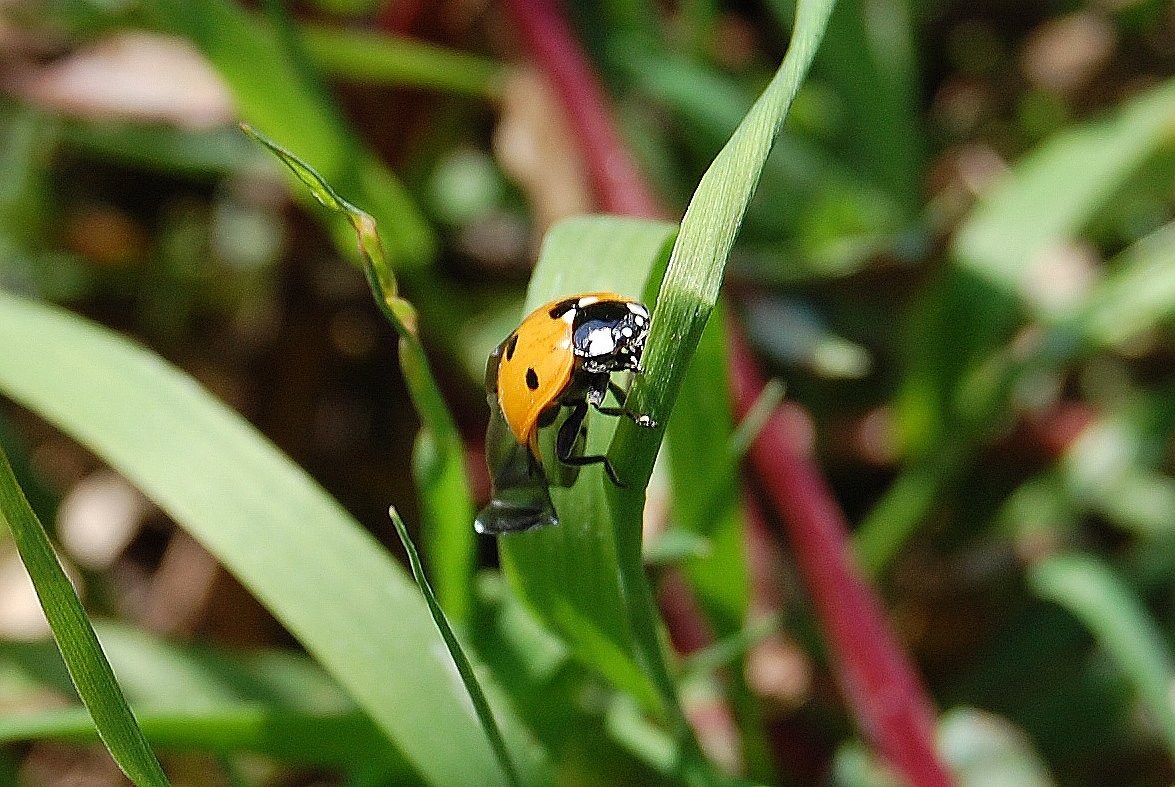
558,362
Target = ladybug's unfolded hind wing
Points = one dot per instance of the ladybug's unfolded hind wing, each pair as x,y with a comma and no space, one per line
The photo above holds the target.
520,498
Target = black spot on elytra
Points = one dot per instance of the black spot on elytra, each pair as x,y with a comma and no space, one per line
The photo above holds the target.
532,380
510,347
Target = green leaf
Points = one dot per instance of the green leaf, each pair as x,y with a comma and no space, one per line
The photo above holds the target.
1135,294
688,294
1096,596
272,92
586,576
1054,191
325,578
325,740
567,574
384,59
438,461
480,704
87,665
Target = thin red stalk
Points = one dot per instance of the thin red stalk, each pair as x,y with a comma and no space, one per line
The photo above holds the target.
688,629
877,679
880,684
618,183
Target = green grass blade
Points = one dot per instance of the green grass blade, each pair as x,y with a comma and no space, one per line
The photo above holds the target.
272,93
480,704
1088,589
371,57
686,298
548,566
325,578
438,462
1136,293
187,696
708,230
567,574
291,736
80,649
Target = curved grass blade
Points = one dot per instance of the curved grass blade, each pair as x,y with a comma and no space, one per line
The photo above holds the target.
484,714
300,554
292,736
383,59
1054,191
567,574
438,462
583,602
1135,294
191,697
686,298
88,668
1090,591
708,229
271,91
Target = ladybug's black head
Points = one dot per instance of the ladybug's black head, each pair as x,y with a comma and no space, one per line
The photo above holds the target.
609,336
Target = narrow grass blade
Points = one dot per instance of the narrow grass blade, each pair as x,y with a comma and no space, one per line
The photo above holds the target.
324,577
1136,293
272,93
708,230
438,462
567,574
188,696
548,566
290,736
383,59
484,714
1090,591
688,294
83,656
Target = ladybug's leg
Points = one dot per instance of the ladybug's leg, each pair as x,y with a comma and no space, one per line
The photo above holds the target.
621,395
569,435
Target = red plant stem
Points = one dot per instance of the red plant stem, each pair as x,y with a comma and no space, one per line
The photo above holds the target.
877,679
616,179
880,684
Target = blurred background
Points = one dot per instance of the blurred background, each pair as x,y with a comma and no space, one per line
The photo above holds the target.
988,367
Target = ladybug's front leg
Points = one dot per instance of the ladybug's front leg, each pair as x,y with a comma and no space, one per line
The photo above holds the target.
596,399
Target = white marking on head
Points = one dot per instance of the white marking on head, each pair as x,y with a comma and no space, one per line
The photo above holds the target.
600,342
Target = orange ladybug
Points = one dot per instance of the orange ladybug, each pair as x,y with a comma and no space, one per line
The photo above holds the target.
561,357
